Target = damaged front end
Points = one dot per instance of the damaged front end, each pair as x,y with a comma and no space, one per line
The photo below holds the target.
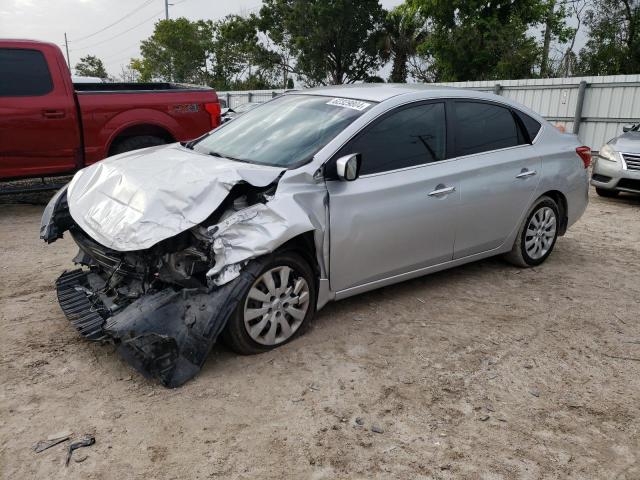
165,306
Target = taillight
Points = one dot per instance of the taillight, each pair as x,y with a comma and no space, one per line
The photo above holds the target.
585,155
214,112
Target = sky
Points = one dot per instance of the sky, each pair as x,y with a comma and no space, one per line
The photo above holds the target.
113,29
81,19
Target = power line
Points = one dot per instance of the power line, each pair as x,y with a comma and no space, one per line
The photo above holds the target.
114,54
126,31
119,34
118,56
147,2
109,58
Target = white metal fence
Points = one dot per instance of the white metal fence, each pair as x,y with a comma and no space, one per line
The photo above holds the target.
234,99
595,108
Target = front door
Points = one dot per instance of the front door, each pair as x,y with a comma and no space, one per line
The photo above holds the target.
399,216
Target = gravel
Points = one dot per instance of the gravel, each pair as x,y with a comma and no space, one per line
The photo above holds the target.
237,418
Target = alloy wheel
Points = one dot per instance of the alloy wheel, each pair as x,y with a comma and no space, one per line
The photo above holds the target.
276,306
540,233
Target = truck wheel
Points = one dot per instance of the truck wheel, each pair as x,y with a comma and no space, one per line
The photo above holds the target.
136,143
276,306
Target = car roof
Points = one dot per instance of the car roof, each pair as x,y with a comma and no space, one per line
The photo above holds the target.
379,92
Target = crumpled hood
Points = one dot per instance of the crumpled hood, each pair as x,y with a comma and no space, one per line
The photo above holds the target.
135,200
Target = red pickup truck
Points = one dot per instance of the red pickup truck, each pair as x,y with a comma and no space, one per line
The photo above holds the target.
49,126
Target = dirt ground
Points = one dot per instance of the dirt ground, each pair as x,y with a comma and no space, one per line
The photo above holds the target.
481,372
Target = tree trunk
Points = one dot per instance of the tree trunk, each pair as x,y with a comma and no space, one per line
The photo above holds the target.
544,63
399,70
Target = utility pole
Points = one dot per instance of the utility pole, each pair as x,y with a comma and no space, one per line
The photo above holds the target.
166,9
66,46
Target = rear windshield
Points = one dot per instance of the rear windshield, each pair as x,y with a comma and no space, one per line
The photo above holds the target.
285,132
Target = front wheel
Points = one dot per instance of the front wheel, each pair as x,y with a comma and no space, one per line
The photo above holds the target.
275,308
537,235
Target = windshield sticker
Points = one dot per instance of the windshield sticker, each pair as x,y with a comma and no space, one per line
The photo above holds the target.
348,103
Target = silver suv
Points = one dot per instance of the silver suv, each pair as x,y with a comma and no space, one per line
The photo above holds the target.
617,167
312,197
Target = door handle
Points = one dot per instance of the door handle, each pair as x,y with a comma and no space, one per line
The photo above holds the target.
442,190
526,173
53,113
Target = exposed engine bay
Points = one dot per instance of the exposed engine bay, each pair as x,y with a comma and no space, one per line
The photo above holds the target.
165,306
182,261
144,299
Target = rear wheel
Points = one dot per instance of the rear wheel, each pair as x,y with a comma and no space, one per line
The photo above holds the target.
537,235
276,308
136,143
604,192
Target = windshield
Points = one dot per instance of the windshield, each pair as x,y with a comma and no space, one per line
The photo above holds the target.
285,132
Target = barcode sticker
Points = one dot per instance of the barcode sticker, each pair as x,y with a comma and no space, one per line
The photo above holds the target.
348,103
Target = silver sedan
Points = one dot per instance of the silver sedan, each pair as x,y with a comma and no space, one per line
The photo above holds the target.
617,167
312,197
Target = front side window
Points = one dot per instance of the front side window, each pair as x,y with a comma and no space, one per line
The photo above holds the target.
408,137
23,73
481,127
285,132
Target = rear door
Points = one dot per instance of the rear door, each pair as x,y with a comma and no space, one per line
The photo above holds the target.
499,172
39,130
399,216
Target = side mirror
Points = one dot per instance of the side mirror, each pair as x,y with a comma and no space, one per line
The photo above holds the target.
348,167
627,128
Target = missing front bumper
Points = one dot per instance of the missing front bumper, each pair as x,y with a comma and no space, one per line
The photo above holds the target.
84,314
166,335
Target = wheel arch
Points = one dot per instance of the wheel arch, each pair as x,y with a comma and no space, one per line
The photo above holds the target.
561,201
140,129
305,246
137,120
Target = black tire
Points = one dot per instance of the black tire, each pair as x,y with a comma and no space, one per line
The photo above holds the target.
235,334
136,143
518,255
604,192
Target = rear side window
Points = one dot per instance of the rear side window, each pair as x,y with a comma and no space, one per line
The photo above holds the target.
481,127
408,137
23,73
530,125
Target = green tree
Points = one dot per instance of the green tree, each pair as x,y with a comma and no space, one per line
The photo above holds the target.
240,61
277,44
405,29
613,46
480,40
329,41
91,66
565,65
555,30
179,50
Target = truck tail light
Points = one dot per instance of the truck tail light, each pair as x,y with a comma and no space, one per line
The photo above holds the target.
214,112
585,155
